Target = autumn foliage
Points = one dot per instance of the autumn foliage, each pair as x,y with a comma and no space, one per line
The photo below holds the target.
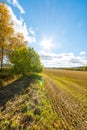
13,46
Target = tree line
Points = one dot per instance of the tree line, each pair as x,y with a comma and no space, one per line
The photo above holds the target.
13,47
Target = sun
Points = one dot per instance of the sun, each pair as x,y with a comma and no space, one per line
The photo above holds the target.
47,43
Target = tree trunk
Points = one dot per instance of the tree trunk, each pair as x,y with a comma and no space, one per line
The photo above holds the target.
2,53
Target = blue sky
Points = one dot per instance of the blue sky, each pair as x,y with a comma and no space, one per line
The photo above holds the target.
57,29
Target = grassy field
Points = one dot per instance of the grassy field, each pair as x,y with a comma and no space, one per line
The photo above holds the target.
53,100
24,105
67,92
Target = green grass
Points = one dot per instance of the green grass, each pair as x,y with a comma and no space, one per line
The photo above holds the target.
29,109
6,77
53,100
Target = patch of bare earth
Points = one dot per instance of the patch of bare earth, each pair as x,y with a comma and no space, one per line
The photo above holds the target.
69,111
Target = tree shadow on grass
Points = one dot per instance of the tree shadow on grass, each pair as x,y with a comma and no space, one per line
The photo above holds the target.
10,91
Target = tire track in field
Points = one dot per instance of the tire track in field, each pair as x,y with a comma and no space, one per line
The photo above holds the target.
70,113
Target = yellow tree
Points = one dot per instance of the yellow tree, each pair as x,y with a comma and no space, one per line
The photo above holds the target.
17,41
6,30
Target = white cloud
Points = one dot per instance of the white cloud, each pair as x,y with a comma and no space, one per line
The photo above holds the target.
32,32
16,4
20,26
62,60
82,53
50,59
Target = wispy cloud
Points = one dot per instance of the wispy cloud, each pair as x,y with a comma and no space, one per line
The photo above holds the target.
62,60
82,53
16,4
20,26
32,32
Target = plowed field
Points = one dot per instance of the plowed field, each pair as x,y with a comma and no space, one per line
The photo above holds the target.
67,92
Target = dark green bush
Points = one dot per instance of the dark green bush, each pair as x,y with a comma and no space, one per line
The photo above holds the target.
6,76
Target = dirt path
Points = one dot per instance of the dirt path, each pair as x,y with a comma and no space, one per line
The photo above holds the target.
70,112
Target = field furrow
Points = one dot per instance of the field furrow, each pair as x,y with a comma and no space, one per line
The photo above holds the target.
69,107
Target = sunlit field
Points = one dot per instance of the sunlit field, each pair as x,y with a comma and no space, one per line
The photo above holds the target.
52,100
36,38
24,106
67,92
